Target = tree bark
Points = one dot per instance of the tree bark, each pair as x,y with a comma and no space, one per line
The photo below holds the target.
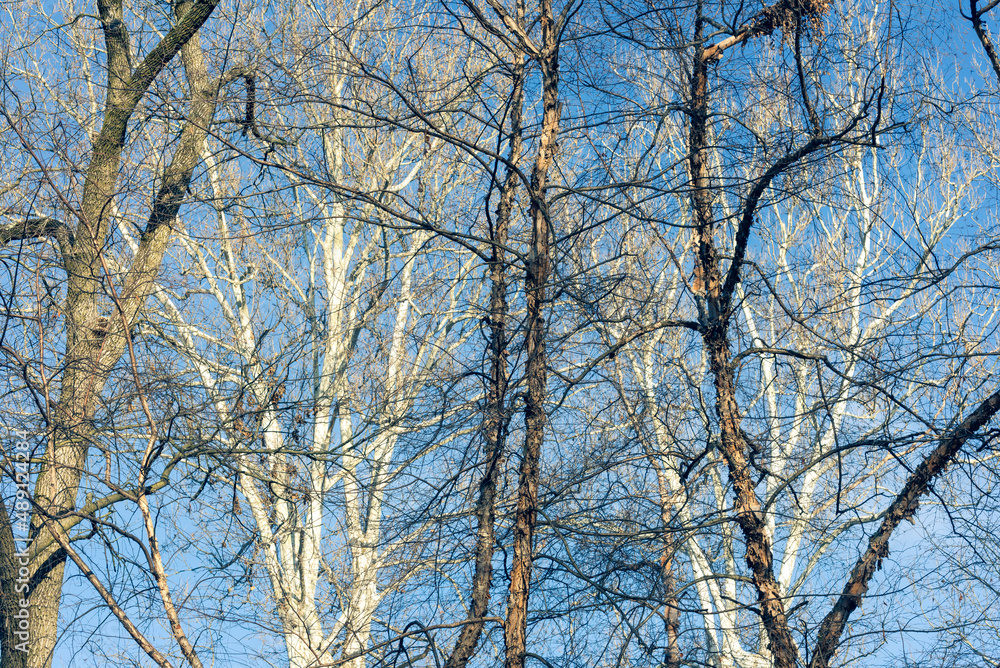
10,655
672,618
903,507
495,419
535,282
749,515
94,341
715,300
714,316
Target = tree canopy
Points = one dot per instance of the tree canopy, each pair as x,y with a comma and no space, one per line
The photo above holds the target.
459,333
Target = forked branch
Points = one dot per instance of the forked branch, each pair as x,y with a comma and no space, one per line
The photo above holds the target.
976,17
784,15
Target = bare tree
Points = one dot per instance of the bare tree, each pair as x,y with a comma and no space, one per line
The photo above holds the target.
318,397
743,297
102,301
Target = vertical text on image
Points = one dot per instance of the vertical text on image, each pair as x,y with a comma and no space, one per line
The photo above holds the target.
21,518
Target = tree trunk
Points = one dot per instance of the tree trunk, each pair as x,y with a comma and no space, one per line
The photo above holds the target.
97,323
749,515
535,282
11,655
495,418
671,619
714,315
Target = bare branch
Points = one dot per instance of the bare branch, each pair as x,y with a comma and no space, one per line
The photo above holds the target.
112,604
976,16
522,37
37,228
902,508
784,15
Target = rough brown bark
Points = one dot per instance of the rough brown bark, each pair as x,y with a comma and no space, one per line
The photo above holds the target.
749,516
714,316
672,617
715,300
495,415
716,297
95,332
535,282
903,507
784,15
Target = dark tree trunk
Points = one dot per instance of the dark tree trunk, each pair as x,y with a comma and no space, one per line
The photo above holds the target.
11,655
714,314
535,282
495,418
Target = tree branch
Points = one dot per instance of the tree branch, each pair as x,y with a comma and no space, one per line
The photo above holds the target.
523,39
976,16
112,604
784,14
37,228
902,508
